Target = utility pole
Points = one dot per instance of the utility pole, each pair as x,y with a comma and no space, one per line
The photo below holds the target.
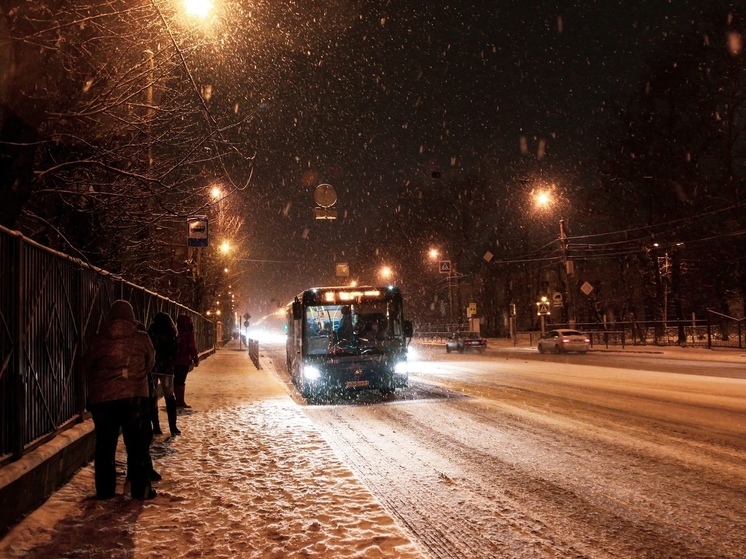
569,275
450,298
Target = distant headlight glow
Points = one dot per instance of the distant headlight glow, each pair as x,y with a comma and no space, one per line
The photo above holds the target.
412,354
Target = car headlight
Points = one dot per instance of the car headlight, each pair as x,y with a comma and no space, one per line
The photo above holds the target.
412,354
401,368
311,373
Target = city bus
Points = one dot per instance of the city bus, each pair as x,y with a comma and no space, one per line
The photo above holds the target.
347,338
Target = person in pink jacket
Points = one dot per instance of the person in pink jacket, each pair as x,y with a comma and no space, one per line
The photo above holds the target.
116,367
186,356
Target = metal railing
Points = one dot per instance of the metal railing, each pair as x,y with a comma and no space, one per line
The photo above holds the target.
253,346
50,307
718,330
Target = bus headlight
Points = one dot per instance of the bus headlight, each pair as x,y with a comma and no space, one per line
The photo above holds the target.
311,373
401,368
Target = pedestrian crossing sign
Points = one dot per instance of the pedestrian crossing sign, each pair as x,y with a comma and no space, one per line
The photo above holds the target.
543,307
445,266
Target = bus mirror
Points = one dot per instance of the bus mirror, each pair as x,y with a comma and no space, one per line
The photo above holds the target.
297,310
407,328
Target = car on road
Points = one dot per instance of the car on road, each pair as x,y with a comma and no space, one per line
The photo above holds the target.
461,341
564,341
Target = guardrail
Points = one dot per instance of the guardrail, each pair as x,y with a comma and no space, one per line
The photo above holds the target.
254,352
716,331
433,336
51,305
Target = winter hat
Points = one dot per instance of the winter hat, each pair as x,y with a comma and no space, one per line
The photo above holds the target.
121,309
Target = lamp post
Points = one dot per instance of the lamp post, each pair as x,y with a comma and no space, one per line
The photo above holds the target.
569,275
544,199
217,195
446,267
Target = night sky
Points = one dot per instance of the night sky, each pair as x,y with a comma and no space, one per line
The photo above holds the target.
368,96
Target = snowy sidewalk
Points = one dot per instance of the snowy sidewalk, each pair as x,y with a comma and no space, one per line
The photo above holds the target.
249,477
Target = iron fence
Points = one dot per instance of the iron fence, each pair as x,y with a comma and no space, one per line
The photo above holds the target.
50,307
717,330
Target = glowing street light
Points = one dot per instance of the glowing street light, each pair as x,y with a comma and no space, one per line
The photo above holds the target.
543,199
386,272
198,8
225,247
434,254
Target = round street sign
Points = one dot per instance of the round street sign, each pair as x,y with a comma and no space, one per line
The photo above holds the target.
325,195
557,299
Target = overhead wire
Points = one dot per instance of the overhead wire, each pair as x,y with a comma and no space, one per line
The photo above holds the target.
625,247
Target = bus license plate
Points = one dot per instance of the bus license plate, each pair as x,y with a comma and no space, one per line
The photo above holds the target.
356,383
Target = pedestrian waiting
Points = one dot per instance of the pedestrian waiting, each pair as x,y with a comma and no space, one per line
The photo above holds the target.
186,357
162,332
116,367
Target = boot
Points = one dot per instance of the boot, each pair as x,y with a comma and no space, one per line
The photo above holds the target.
171,412
179,391
154,416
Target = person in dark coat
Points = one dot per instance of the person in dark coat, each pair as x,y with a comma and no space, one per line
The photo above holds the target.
344,332
116,367
162,333
186,357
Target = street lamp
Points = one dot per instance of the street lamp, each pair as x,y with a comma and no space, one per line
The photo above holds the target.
386,273
198,8
544,199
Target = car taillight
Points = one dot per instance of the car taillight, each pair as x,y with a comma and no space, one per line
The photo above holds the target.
565,341
587,340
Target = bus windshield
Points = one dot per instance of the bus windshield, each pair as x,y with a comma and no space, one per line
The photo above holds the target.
351,328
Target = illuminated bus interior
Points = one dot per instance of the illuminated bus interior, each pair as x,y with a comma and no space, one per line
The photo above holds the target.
341,321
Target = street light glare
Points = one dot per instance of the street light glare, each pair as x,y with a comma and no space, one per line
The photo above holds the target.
216,192
198,8
543,199
225,247
434,253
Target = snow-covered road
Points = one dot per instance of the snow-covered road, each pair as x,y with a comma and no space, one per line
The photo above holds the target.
554,457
